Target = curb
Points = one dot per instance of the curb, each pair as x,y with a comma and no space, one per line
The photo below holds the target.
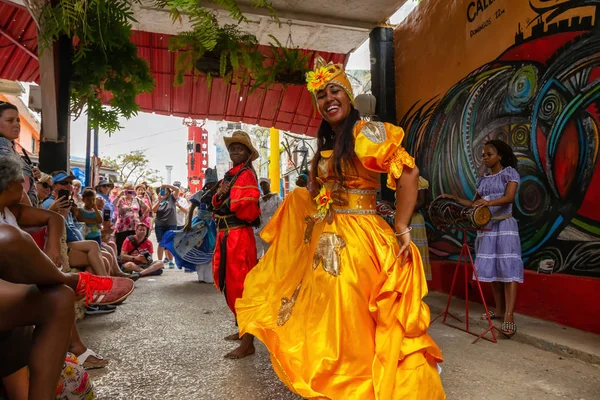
548,342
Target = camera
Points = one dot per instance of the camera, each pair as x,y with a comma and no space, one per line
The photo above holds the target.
147,255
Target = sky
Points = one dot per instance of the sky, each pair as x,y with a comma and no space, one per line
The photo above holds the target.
163,138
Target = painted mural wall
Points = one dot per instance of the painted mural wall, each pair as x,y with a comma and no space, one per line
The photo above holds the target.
526,72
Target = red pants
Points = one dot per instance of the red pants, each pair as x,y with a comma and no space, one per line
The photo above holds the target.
240,257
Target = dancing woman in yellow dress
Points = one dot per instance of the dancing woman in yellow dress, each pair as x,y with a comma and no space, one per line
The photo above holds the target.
337,299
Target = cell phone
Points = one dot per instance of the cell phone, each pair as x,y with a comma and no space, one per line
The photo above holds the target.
64,193
163,191
106,214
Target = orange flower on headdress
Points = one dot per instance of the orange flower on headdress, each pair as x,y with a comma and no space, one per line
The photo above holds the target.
318,78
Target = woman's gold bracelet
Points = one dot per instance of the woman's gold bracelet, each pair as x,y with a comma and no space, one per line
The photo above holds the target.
405,232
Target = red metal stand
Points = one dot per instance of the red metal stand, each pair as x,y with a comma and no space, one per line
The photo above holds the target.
466,259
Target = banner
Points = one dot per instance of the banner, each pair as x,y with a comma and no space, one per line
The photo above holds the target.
525,72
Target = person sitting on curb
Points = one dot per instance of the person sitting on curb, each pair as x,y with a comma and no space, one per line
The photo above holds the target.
136,253
82,253
33,291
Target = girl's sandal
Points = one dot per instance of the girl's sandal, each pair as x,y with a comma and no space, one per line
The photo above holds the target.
508,328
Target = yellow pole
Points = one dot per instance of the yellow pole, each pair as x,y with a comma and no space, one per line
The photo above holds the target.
274,160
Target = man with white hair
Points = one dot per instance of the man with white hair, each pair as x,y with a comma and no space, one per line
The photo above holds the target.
269,202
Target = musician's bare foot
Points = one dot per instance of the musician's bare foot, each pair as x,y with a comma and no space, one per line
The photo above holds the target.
245,348
233,337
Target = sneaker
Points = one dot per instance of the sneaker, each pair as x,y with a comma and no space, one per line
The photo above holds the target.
103,289
171,265
165,260
100,309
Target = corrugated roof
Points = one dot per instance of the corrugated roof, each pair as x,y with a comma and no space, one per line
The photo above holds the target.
288,108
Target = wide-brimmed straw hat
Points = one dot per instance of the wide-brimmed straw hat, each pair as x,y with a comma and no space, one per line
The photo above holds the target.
242,137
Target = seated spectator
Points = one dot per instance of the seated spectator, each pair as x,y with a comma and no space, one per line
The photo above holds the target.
82,253
77,192
103,189
44,187
137,251
33,291
74,382
107,228
108,211
15,346
90,215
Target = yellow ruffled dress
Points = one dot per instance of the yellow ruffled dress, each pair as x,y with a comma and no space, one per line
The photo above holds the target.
342,318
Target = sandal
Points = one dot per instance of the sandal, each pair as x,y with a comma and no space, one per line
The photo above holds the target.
492,315
83,360
508,328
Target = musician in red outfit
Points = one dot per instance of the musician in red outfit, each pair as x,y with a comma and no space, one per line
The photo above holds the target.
236,211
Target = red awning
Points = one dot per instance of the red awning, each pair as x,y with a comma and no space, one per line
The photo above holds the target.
288,108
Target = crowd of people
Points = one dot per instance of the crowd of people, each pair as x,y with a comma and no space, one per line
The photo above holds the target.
334,291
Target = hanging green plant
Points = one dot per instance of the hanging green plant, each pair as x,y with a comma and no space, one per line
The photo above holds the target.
209,48
230,53
104,58
282,65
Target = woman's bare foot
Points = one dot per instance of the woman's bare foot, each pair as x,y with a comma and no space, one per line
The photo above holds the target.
242,351
233,337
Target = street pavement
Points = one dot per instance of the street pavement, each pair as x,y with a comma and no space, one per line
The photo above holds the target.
166,342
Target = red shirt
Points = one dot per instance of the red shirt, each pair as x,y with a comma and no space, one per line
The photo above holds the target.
244,195
129,248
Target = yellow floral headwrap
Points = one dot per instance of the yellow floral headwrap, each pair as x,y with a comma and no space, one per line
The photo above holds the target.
324,73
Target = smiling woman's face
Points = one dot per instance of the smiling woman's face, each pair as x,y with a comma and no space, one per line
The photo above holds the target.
333,104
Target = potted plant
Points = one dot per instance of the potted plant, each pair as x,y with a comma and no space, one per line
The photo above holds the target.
281,65
209,48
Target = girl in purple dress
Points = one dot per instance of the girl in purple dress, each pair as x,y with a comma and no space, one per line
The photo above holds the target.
498,247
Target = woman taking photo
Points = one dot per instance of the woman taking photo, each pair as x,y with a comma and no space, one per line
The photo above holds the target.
143,197
498,247
337,299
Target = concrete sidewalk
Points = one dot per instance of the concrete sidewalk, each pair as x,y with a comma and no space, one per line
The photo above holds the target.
544,335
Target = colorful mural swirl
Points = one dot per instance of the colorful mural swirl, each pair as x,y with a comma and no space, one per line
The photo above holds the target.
542,96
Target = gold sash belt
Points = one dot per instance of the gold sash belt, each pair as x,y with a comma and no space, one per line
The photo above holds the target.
358,202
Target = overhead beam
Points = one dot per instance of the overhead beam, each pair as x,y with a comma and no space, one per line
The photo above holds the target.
297,18
18,44
305,19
